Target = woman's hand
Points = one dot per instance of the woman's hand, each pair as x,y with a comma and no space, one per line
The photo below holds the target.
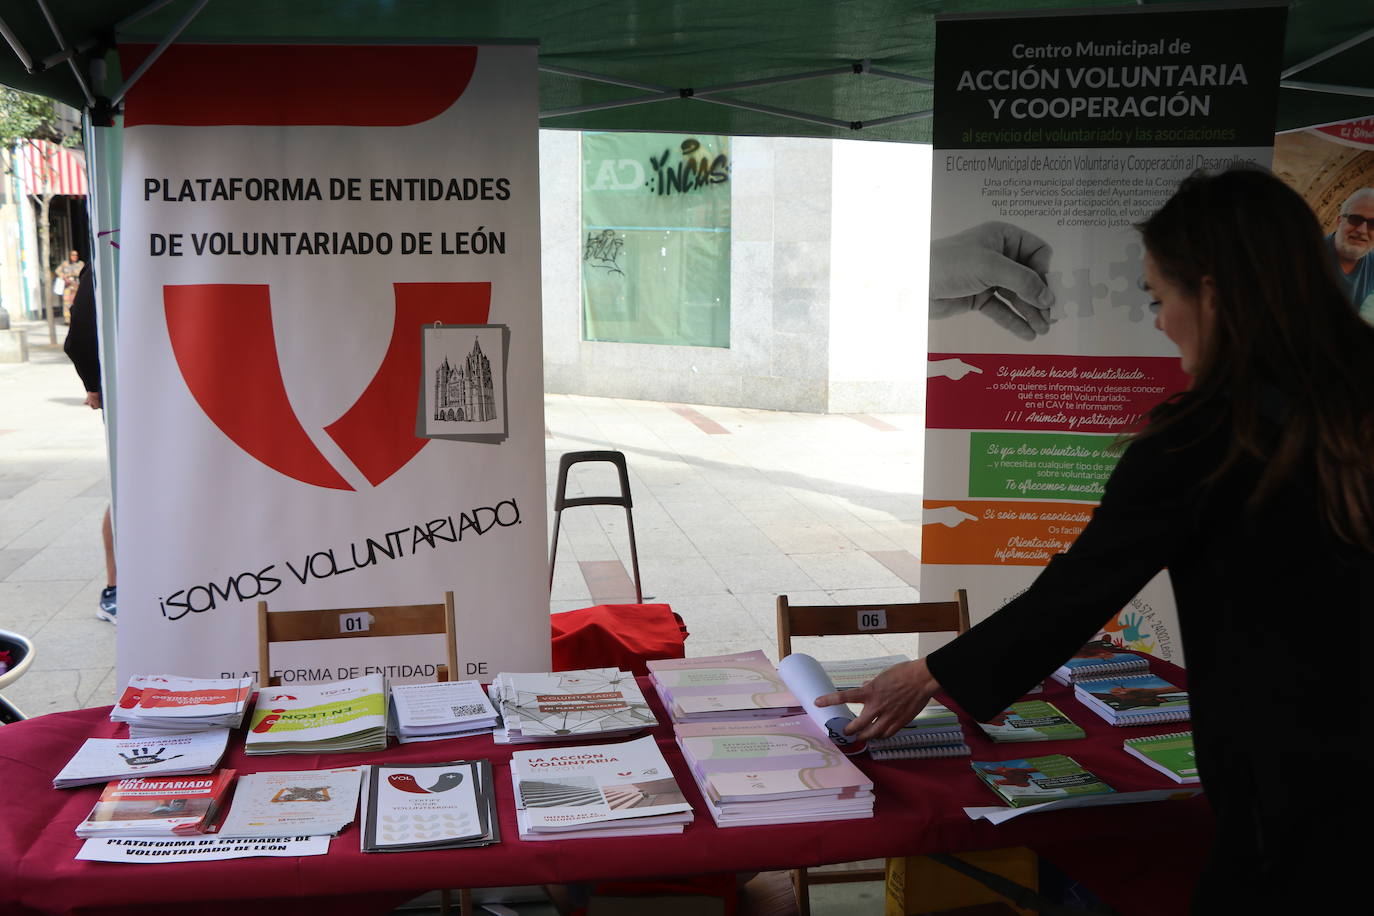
890,701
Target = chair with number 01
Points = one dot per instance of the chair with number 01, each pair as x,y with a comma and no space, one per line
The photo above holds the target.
349,623
854,620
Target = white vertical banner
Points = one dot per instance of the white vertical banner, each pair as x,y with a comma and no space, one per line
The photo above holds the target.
1055,133
293,219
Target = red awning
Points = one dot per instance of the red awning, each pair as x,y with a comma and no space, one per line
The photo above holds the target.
48,168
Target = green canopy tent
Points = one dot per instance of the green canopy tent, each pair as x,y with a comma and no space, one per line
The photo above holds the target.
849,69
819,68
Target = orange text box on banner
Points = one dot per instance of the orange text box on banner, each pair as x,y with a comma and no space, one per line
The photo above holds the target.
1000,533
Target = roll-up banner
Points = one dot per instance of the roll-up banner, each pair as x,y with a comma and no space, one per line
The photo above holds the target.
1054,134
329,354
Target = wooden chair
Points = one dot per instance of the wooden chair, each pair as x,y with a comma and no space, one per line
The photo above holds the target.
860,619
351,623
855,620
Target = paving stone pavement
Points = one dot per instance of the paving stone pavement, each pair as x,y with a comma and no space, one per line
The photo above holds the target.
732,506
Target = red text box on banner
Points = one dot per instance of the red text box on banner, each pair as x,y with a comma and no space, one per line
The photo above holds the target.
1097,394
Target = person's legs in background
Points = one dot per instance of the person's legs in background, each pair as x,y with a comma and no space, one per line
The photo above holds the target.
106,610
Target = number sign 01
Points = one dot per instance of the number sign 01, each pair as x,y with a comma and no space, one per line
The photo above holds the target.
355,623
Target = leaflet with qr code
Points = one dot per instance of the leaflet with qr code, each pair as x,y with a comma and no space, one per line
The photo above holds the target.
447,706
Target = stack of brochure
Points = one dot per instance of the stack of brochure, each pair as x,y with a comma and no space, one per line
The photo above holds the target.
432,712
722,688
165,704
1032,780
600,790
429,806
293,803
1031,720
773,771
104,759
158,806
1134,699
319,718
569,706
1098,659
935,732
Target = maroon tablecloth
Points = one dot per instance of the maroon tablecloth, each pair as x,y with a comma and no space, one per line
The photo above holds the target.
919,810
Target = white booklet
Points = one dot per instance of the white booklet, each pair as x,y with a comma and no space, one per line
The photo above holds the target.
574,788
104,759
295,802
319,718
423,712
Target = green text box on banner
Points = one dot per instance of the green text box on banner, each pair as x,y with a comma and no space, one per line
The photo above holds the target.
656,239
1039,465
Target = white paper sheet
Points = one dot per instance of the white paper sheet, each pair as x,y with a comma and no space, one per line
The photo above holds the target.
300,802
996,814
807,680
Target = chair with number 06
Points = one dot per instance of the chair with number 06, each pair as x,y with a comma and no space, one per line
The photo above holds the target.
854,620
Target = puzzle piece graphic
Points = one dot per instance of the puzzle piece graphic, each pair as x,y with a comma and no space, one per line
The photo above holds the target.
1082,293
1128,294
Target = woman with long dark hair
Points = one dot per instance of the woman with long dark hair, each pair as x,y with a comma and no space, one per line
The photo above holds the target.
1255,488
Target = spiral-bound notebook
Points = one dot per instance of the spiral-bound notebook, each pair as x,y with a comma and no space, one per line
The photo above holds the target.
900,752
1171,754
1098,659
1134,699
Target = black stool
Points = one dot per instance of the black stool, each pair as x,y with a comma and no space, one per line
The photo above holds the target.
561,502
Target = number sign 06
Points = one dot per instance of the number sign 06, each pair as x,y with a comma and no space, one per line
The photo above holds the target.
873,620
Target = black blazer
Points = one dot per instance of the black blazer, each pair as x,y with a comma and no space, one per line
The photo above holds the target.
1272,611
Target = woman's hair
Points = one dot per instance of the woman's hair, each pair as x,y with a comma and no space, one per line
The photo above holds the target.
1285,339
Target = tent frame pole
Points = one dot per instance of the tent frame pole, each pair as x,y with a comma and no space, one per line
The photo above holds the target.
772,81
16,46
600,78
604,106
1328,87
1329,52
780,112
146,11
711,93
68,53
157,52
904,77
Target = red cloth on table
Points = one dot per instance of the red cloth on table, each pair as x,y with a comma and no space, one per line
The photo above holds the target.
918,810
621,636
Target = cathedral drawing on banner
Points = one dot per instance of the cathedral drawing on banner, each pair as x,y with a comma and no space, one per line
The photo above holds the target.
465,393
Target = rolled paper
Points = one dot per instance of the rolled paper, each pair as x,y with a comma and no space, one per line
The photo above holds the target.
807,680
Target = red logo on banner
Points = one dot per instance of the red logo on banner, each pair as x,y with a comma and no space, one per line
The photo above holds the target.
222,339
367,85
1352,133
